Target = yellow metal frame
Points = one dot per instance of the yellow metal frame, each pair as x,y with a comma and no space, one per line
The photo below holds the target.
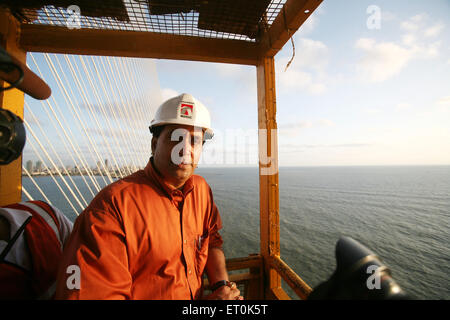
268,266
11,174
268,170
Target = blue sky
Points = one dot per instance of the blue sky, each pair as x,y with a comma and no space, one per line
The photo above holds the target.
353,95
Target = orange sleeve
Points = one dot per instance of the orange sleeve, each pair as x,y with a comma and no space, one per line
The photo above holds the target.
97,246
215,224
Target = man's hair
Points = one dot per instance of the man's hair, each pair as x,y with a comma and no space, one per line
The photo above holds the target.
156,131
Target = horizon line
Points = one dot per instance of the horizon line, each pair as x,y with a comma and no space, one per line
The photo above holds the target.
329,165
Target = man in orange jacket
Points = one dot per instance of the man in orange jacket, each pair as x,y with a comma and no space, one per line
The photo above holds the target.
152,235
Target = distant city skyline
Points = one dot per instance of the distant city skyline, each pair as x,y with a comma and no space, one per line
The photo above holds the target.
39,169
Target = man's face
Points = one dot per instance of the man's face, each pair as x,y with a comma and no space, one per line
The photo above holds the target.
176,152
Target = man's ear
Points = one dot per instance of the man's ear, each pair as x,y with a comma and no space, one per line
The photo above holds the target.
154,142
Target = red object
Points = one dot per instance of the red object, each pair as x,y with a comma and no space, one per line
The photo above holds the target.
45,252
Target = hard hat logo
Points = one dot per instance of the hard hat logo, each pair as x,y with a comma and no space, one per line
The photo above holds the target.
186,110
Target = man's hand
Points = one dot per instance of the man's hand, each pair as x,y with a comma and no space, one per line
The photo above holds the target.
226,293
216,270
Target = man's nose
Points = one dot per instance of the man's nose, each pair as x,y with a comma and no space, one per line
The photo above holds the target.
186,150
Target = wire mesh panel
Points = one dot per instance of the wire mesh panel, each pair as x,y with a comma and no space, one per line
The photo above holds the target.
224,19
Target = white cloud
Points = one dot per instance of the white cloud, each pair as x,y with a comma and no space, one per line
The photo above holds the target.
444,103
317,88
414,23
229,70
419,17
308,26
295,79
306,124
430,51
168,93
311,22
310,53
307,69
387,16
372,110
365,43
409,39
296,125
409,26
243,75
381,60
434,30
325,122
403,106
419,26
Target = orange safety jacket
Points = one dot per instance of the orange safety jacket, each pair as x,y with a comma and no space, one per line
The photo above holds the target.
140,239
44,245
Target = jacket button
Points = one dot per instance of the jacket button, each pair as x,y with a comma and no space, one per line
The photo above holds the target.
184,241
190,271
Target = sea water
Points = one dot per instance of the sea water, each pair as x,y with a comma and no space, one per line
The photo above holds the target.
401,213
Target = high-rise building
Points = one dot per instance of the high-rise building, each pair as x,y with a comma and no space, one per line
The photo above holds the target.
38,166
106,163
29,166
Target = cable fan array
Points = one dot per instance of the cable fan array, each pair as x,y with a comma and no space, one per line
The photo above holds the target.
99,111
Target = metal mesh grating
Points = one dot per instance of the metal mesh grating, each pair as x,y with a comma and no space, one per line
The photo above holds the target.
223,19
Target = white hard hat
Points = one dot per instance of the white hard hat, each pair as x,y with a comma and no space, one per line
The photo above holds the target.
186,110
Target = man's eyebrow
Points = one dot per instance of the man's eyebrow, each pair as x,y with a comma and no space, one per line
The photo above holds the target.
194,133
172,130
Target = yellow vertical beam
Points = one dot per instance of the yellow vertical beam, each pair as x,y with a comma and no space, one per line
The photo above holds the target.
11,175
268,171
